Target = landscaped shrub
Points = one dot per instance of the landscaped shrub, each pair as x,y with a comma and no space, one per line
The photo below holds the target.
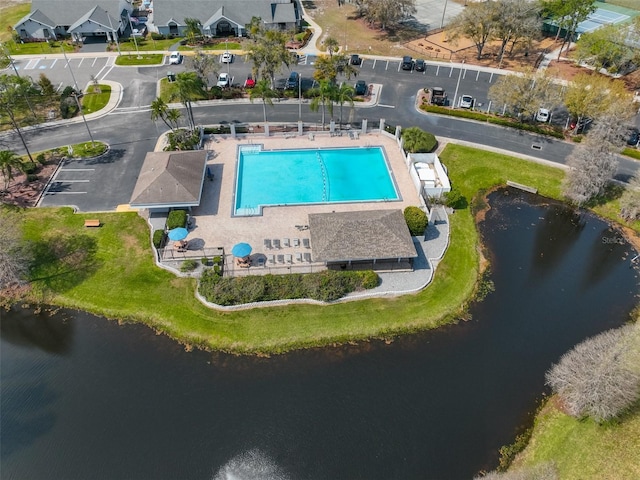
417,140
327,285
158,238
176,219
182,140
416,220
188,265
29,168
631,152
454,199
32,177
157,36
41,159
68,107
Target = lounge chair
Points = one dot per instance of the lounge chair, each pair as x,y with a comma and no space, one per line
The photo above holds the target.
296,242
298,257
288,257
280,258
267,243
305,243
271,258
276,243
307,257
285,242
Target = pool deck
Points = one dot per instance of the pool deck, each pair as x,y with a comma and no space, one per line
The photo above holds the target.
215,225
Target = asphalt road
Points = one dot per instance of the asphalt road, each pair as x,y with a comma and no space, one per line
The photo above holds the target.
102,184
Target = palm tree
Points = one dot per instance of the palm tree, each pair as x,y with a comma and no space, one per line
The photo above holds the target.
323,96
262,89
189,88
159,110
9,162
344,94
332,45
173,115
193,30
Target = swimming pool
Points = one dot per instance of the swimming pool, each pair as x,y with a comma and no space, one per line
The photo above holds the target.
310,176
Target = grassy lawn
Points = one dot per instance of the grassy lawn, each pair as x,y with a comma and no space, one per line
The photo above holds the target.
582,449
146,59
92,102
632,4
231,46
631,152
38,47
169,89
116,276
9,16
146,44
340,23
78,150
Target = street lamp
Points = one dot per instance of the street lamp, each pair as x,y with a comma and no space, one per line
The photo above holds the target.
444,10
114,35
75,95
299,97
132,34
455,95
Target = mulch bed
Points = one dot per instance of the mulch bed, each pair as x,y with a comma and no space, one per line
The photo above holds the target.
23,193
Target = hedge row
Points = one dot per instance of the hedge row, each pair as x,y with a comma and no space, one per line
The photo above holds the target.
483,117
326,286
631,152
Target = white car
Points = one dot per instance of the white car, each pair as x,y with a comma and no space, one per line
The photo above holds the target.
466,101
226,57
175,58
224,80
543,115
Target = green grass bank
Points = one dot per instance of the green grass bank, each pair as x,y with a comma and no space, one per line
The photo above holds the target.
112,273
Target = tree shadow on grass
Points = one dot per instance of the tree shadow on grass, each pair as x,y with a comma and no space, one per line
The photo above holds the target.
611,192
60,263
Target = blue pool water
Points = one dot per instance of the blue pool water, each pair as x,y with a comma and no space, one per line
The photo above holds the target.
310,176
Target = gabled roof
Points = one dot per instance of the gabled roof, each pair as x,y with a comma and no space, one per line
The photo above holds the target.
170,179
238,11
98,16
219,15
36,16
364,235
67,12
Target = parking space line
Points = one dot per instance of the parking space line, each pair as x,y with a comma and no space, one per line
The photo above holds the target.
374,64
477,75
399,65
81,60
450,72
73,181
54,62
30,65
65,193
94,61
438,70
76,169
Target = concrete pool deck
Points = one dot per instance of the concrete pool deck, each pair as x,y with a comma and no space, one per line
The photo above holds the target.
215,226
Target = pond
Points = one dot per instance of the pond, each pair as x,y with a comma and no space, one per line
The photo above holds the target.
87,398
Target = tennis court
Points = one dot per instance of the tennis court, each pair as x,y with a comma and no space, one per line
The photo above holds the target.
600,18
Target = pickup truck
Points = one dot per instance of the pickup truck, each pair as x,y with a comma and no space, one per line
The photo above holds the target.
438,96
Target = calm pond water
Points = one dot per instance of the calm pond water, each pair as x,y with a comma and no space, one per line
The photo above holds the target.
86,398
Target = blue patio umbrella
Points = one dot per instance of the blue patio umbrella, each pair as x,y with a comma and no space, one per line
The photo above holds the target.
241,250
178,234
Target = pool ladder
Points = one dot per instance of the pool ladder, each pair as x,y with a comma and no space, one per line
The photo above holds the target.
325,181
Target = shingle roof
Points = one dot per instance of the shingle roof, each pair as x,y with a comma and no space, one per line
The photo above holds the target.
365,235
239,11
99,16
67,12
170,179
37,16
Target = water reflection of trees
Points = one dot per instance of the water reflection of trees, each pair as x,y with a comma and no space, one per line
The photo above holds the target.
554,236
25,328
608,249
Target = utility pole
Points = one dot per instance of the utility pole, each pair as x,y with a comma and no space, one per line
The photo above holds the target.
75,95
114,34
134,37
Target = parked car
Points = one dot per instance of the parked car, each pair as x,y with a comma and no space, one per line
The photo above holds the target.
438,96
543,115
420,65
224,80
292,81
633,137
581,126
466,101
249,82
407,63
361,87
356,60
226,57
175,58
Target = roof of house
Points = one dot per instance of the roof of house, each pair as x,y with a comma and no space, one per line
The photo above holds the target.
363,235
238,11
37,16
67,12
170,179
99,16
